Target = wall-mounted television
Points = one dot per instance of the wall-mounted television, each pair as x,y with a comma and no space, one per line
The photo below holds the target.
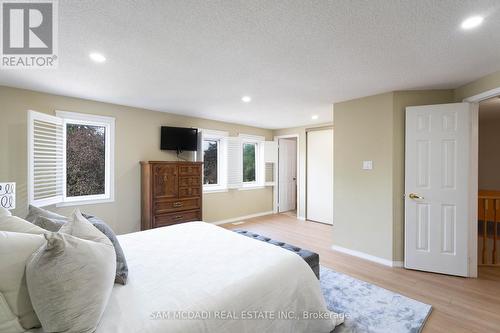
179,138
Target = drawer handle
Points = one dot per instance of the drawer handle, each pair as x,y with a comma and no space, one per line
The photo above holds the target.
177,204
178,217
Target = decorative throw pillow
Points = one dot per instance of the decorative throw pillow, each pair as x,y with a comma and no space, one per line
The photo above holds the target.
55,225
8,320
16,310
4,212
16,224
121,263
36,211
46,223
71,276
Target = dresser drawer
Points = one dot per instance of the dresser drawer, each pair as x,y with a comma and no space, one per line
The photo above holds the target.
189,169
189,181
175,218
185,192
174,205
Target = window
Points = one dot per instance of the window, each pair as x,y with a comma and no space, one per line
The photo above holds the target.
213,153
211,162
71,158
252,161
85,160
235,162
88,145
249,158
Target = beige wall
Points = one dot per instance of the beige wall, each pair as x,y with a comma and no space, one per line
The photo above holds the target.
137,138
301,175
478,86
368,204
373,128
363,199
489,153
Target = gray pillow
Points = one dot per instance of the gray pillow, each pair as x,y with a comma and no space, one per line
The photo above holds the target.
121,263
70,277
49,224
54,225
34,212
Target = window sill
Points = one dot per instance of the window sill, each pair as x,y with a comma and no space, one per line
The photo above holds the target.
84,202
251,187
215,190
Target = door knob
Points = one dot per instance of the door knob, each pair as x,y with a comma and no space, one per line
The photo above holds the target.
415,196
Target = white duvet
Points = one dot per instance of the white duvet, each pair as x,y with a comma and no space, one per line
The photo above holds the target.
196,277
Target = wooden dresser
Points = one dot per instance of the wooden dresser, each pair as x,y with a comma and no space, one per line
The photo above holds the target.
171,193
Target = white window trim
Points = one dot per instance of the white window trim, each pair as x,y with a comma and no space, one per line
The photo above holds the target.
109,123
259,161
252,186
220,137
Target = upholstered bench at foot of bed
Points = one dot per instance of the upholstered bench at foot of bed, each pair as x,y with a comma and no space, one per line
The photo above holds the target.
311,258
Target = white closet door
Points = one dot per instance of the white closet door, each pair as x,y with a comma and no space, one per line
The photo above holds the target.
287,175
320,176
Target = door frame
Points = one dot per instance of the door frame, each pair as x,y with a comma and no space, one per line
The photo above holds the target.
276,187
473,178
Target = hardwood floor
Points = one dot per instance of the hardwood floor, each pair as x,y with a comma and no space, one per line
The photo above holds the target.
459,304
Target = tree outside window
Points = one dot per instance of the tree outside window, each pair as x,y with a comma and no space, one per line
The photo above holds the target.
85,160
249,150
210,167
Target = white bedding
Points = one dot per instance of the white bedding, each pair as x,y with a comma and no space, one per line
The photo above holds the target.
200,267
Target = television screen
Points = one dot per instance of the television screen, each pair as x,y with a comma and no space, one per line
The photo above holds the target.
179,138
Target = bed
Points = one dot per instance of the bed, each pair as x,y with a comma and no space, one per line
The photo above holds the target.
196,277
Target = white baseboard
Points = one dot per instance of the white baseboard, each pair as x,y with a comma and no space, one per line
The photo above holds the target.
239,218
366,256
302,218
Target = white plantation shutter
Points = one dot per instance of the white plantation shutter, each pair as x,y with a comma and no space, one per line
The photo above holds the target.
234,162
260,163
45,159
270,161
199,151
270,152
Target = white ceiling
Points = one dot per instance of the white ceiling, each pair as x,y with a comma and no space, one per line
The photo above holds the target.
295,58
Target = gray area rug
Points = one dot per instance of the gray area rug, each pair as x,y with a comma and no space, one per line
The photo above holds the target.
369,308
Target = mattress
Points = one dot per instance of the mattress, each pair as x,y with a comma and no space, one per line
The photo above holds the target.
197,277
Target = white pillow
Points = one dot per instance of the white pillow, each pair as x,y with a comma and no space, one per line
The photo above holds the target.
16,247
16,224
70,278
16,311
4,212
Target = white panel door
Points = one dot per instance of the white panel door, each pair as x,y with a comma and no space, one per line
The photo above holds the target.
320,176
438,164
287,175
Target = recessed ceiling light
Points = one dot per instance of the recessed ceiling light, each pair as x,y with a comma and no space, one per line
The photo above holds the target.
315,117
97,57
246,99
472,22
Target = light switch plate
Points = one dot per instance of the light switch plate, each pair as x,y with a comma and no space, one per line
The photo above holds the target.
367,165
